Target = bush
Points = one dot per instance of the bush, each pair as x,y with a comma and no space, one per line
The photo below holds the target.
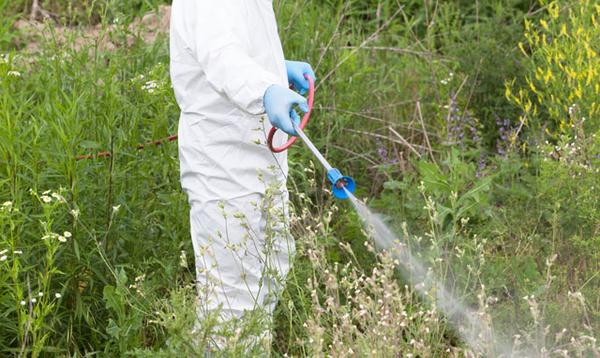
563,81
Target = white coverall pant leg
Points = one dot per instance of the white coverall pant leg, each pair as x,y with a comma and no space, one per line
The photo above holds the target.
238,216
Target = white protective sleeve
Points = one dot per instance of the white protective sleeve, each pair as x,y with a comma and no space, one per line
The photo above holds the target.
222,55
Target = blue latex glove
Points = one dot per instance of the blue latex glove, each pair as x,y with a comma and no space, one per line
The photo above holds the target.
279,102
296,71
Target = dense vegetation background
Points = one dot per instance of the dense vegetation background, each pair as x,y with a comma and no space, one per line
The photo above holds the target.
471,125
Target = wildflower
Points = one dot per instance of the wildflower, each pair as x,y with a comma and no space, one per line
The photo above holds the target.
51,235
150,86
67,234
507,136
183,259
46,199
3,252
22,303
34,300
3,258
7,205
40,294
75,213
57,295
58,197
62,238
18,252
116,208
14,73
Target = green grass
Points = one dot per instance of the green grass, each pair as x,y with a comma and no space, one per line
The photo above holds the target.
389,75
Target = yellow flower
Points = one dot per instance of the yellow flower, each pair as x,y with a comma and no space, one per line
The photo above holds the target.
522,48
548,77
532,86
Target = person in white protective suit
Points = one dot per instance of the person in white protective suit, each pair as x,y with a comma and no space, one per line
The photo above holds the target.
229,75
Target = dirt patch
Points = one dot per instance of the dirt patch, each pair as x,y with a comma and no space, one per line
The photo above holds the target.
34,33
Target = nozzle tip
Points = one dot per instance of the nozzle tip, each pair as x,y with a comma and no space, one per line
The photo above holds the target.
343,187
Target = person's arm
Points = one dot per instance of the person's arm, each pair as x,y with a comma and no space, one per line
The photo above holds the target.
229,69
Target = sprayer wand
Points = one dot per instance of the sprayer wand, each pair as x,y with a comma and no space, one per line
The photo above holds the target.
341,185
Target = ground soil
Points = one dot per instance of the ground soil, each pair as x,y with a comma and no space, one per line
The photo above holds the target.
34,33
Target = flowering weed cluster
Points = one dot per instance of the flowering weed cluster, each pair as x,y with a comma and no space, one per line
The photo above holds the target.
562,50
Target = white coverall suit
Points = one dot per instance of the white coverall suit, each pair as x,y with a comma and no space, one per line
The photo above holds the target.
224,56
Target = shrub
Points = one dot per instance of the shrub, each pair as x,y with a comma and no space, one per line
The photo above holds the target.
563,83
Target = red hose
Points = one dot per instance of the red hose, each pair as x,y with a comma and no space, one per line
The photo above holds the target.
305,119
139,146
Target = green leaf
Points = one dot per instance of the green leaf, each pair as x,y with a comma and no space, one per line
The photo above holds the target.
113,329
88,144
394,185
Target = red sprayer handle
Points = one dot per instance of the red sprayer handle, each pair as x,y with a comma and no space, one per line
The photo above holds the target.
305,119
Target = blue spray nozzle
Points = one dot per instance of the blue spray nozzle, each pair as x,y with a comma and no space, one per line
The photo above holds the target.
342,185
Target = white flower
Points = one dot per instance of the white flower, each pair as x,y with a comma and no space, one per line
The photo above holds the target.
51,235
75,213
46,199
22,303
33,300
57,295
7,204
58,197
14,73
150,86
183,259
40,294
46,192
116,208
3,252
62,238
67,234
18,252
3,258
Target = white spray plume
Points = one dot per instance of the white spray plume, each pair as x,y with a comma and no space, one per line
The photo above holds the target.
474,329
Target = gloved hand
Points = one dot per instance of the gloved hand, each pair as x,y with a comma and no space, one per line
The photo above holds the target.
296,71
279,102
